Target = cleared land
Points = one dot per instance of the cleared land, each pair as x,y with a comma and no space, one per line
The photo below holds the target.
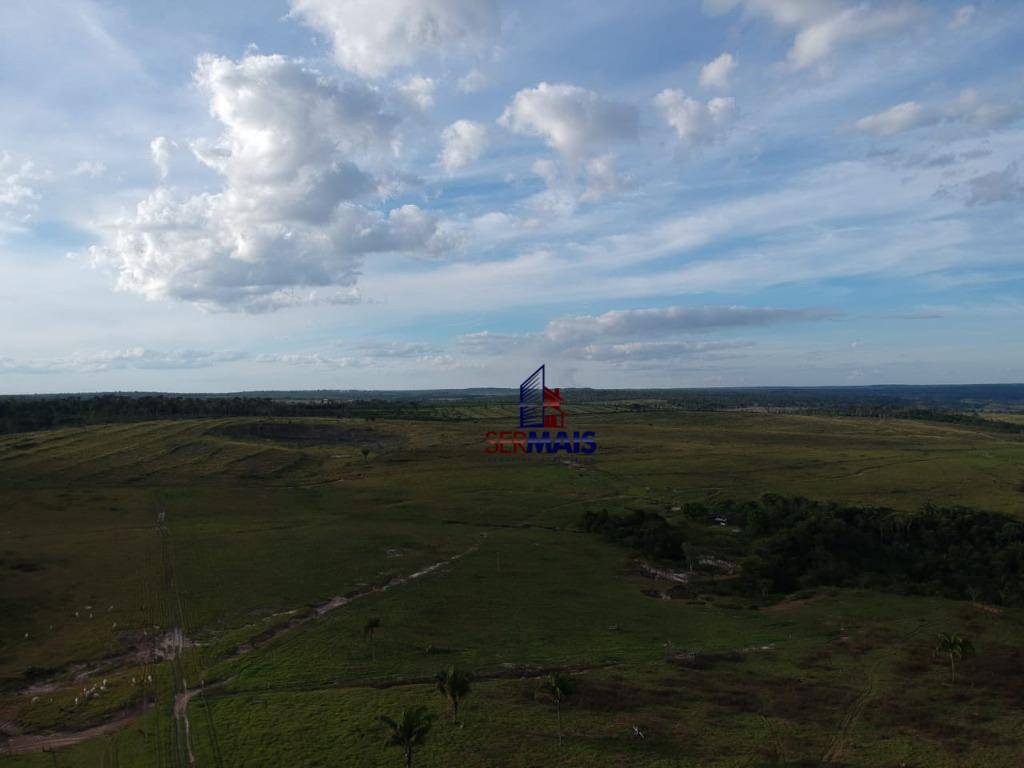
195,592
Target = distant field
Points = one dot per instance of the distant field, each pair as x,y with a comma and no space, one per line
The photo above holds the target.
241,531
1013,418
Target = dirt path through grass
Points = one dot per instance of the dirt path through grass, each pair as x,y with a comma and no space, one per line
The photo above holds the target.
841,739
21,744
185,695
48,742
339,601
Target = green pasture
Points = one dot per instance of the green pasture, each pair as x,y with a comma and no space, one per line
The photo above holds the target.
113,536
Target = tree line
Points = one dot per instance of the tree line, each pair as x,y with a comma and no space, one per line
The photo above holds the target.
26,414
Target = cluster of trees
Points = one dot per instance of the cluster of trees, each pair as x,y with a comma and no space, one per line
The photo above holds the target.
646,532
795,543
954,552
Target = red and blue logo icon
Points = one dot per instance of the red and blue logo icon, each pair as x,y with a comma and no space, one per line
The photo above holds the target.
540,407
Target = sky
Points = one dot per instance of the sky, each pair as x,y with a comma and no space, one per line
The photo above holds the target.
410,194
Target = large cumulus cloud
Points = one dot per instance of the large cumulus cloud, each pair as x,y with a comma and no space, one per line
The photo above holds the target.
294,215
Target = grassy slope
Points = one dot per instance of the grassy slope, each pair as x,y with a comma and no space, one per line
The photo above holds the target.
254,528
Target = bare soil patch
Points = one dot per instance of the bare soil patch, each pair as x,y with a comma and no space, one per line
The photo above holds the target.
804,701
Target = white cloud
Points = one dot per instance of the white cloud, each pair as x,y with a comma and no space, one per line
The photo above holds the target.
783,12
626,324
138,358
160,152
835,221
286,227
373,37
464,143
967,107
15,181
571,119
393,355
602,179
694,121
18,193
472,81
309,359
962,16
819,40
419,91
660,351
576,123
1002,186
547,169
281,115
822,26
644,323
635,335
902,117
398,349
560,199
91,168
716,74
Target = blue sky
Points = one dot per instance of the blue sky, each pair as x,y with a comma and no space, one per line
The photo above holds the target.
444,193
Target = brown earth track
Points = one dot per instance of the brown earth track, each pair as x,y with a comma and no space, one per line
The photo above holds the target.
841,740
48,742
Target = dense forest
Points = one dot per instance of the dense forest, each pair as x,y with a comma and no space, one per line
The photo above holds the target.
787,544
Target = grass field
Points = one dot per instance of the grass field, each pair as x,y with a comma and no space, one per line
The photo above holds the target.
216,576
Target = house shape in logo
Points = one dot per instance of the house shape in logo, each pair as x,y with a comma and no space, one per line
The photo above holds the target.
538,405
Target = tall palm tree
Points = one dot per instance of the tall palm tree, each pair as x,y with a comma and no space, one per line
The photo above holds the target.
454,684
956,648
559,686
409,731
371,626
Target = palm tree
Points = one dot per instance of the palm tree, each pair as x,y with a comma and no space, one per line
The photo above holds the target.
690,555
956,648
371,626
559,687
454,683
409,732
